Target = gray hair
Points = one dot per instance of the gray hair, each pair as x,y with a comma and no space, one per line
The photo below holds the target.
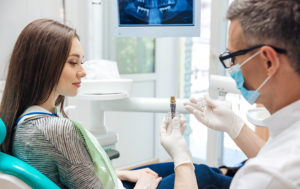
274,22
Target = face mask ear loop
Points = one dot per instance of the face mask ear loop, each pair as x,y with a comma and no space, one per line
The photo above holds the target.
249,58
263,83
278,62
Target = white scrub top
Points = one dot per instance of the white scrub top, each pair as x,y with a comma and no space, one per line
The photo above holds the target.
277,164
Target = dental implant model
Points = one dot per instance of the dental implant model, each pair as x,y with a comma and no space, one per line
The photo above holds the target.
173,106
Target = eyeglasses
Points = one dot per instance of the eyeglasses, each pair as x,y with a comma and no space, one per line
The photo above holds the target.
227,58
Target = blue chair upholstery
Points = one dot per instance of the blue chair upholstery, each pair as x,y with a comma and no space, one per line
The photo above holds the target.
25,172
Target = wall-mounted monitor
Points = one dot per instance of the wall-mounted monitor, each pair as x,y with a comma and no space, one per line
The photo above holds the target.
156,18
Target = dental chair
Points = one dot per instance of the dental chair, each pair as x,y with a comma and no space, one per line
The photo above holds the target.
16,174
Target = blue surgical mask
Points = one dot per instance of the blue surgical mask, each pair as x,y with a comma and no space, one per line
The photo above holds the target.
236,73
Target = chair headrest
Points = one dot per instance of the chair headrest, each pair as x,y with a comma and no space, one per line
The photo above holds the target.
2,131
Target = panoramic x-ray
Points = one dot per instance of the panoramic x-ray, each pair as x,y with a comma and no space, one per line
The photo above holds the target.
156,12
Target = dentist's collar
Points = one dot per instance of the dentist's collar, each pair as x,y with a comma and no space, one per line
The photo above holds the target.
283,118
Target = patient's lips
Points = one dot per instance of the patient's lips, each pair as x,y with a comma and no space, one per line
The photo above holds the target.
77,84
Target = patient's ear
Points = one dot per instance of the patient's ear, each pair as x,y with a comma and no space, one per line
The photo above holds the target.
271,59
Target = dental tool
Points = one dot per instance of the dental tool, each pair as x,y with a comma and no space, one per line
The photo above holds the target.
173,106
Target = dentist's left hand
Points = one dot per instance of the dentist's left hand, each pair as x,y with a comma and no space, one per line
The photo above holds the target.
171,138
216,115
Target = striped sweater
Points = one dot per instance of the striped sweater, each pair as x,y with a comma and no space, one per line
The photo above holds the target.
54,147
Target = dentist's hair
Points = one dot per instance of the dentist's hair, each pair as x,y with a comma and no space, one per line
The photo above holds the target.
35,66
275,22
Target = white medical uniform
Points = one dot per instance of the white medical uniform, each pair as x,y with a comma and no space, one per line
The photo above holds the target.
277,164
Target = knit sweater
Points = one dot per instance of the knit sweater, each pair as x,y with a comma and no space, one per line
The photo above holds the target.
54,147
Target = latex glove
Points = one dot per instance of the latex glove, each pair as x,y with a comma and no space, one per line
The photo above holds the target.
216,115
171,138
147,181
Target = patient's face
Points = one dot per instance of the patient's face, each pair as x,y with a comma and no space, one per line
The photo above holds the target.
155,12
70,78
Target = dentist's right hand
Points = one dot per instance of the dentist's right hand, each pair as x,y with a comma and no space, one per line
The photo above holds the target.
216,115
171,138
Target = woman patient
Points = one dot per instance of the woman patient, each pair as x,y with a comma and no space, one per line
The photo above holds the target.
45,66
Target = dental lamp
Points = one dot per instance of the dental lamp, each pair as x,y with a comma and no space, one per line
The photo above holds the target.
221,85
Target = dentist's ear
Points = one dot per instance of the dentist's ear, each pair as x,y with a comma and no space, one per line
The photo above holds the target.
271,59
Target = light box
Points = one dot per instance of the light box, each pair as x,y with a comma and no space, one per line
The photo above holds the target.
156,18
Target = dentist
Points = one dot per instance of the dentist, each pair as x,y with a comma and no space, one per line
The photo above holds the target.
263,58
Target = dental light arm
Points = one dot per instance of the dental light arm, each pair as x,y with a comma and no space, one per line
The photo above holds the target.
153,105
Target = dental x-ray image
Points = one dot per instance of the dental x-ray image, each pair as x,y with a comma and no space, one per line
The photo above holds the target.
156,12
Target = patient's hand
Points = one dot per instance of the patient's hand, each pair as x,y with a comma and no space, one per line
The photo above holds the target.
147,181
134,175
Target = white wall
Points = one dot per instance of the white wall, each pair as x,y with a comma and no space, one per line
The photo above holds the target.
77,17
15,15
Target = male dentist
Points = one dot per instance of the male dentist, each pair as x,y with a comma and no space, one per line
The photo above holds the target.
263,57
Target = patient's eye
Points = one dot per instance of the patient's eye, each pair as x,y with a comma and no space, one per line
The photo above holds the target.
74,62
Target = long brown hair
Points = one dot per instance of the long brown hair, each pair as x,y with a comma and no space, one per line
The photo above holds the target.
36,64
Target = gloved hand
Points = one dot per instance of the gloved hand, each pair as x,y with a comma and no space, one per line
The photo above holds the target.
216,115
171,138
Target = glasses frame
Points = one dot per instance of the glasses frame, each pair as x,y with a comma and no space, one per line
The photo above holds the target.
226,55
